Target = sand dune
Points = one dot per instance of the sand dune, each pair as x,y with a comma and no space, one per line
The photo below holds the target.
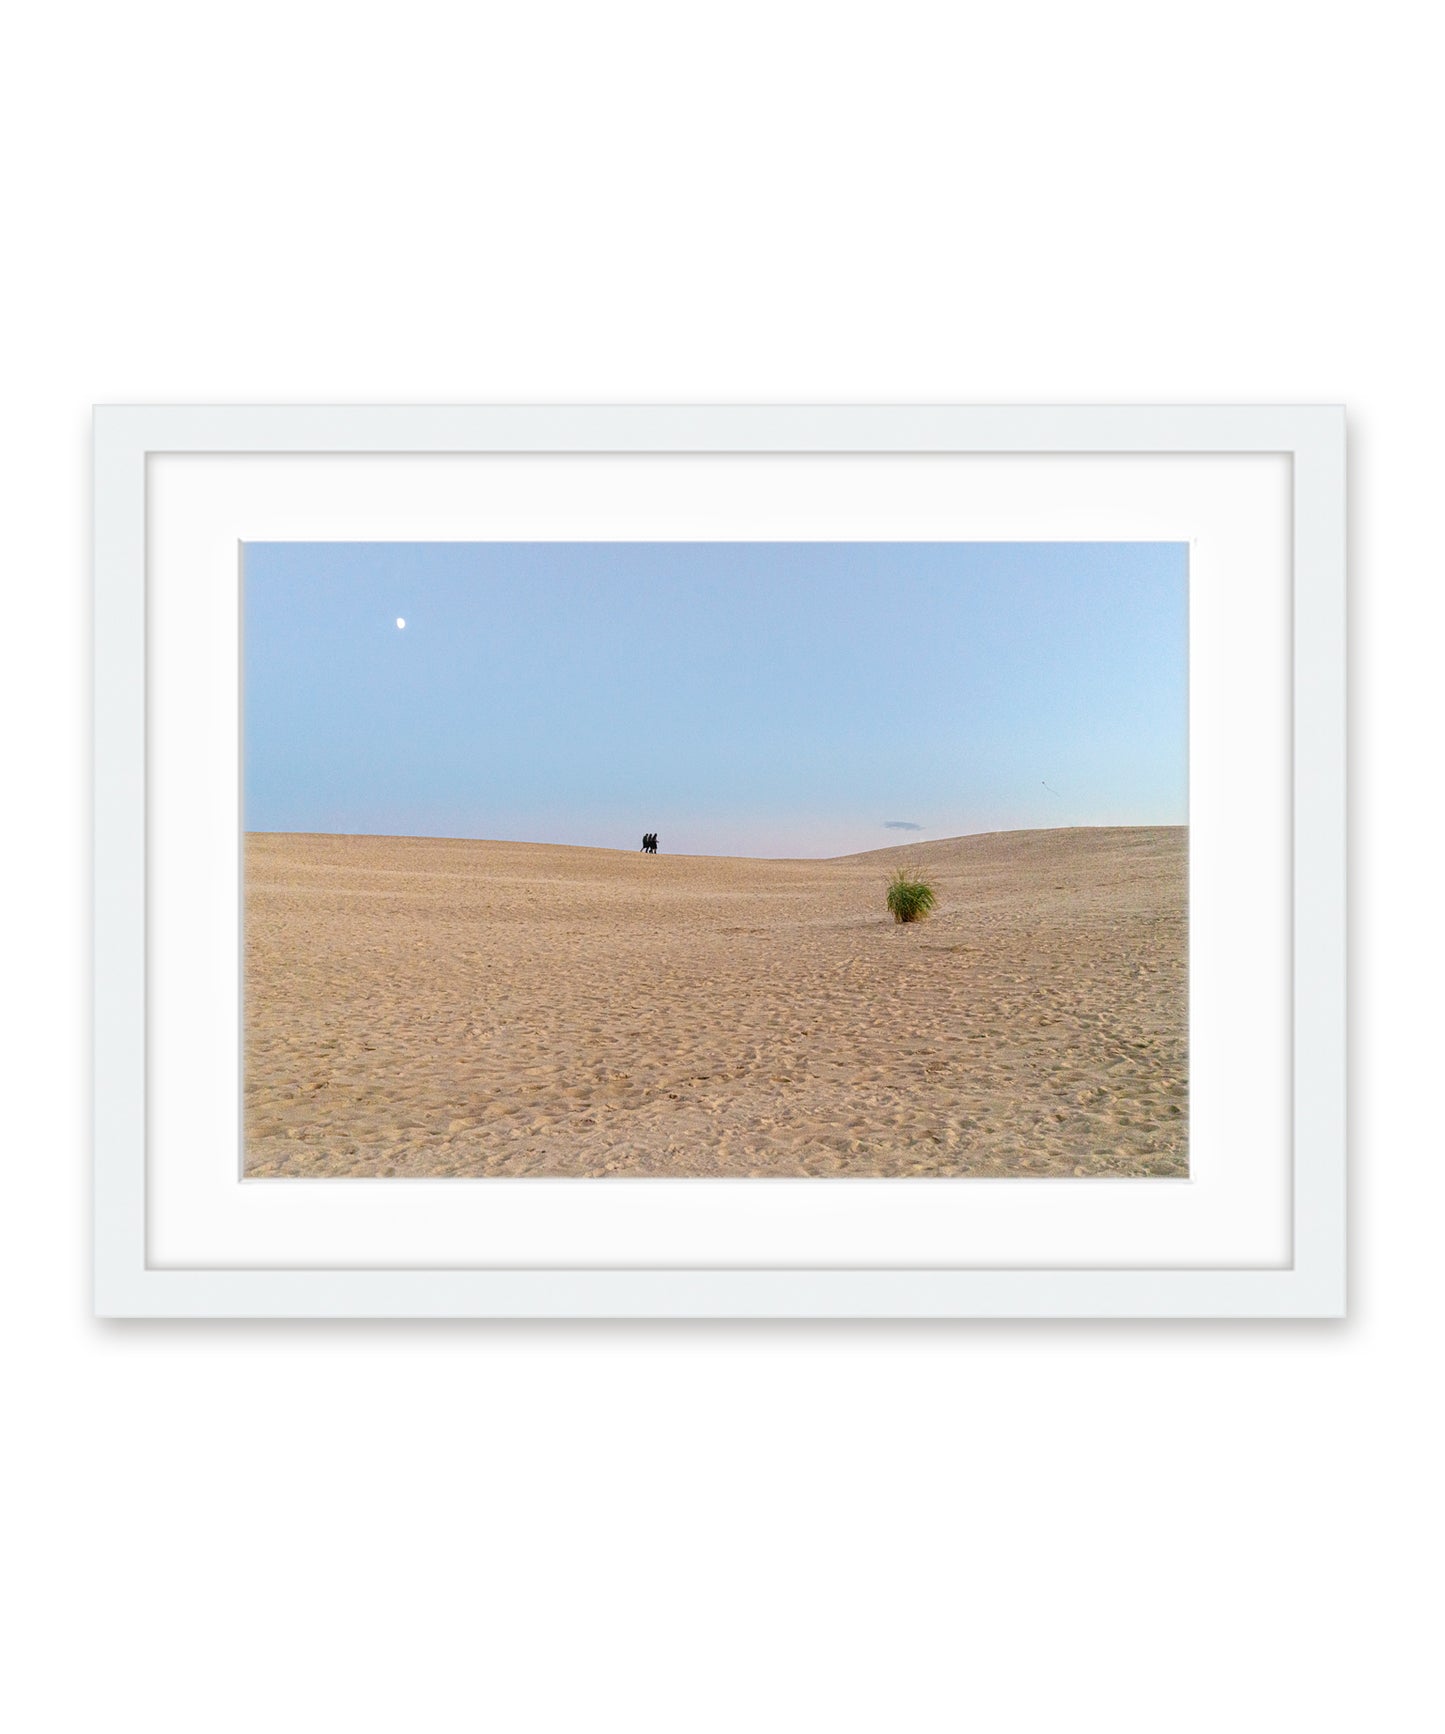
423,1006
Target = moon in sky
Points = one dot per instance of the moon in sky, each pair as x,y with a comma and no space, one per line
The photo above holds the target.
400,623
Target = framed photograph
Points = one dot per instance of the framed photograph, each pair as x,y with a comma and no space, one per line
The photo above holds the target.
780,862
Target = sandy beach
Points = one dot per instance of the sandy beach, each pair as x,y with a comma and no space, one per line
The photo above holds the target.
421,1006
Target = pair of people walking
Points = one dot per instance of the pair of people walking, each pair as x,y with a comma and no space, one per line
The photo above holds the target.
649,843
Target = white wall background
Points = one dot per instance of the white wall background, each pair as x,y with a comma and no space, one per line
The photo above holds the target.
1003,1528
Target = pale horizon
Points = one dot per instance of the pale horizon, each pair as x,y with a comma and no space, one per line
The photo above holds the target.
921,842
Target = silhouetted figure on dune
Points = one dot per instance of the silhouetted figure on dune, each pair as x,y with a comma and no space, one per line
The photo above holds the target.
649,843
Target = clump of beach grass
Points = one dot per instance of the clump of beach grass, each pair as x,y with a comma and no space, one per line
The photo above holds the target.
909,897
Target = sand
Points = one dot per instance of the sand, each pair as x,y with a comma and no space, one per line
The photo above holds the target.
421,1006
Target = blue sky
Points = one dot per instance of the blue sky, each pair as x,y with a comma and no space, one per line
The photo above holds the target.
749,698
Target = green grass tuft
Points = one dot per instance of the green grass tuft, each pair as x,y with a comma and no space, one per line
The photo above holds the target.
910,898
